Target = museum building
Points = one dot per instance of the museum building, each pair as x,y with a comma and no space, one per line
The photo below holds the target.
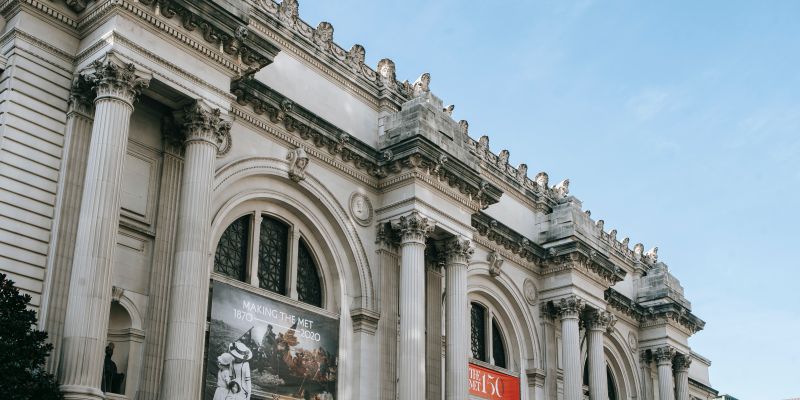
215,200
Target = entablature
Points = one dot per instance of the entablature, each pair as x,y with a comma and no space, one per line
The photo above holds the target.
657,314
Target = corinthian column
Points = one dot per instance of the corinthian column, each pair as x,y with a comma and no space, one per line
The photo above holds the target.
681,364
569,310
663,356
598,323
458,253
89,300
202,130
413,229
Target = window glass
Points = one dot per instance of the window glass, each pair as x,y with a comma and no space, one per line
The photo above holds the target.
309,289
272,254
231,256
478,331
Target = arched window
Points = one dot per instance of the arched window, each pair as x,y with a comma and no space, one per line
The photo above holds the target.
485,340
270,255
231,256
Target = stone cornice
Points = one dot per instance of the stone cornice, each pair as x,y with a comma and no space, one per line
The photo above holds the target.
662,313
575,254
506,237
703,387
281,23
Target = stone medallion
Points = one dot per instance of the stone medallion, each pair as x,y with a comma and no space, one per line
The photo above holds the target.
529,289
632,340
361,209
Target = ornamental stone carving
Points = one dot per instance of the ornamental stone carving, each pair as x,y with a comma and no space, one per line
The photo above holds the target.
664,354
298,161
562,189
323,35
82,95
77,5
288,12
355,57
522,172
413,227
198,122
495,261
421,85
681,362
386,73
542,180
502,158
651,256
458,251
361,208
112,78
601,320
638,250
529,291
569,307
449,110
632,341
464,126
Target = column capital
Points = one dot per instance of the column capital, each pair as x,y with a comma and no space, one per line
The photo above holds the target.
569,307
458,250
198,122
413,227
114,78
598,320
663,355
681,362
81,97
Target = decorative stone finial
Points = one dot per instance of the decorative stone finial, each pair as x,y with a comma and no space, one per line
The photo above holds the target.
651,256
413,227
323,35
638,250
449,109
355,57
542,180
562,189
502,158
495,261
288,12
464,126
298,161
522,172
600,224
421,85
386,73
625,242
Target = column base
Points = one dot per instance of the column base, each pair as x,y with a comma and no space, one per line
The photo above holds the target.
75,392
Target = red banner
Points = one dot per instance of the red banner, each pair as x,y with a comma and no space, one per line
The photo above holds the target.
492,385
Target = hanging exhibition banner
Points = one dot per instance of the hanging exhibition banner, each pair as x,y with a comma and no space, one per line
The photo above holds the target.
485,383
262,347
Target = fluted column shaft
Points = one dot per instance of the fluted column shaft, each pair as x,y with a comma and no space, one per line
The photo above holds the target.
89,300
663,356
598,323
413,231
189,286
569,310
457,323
70,190
681,364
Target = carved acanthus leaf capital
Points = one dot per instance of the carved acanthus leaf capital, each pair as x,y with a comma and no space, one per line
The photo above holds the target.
600,320
681,362
413,227
664,355
570,307
458,251
82,95
116,79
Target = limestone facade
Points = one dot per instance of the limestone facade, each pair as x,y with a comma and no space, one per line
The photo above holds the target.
137,134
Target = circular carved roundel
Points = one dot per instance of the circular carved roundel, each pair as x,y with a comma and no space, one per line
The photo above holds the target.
632,340
361,209
529,290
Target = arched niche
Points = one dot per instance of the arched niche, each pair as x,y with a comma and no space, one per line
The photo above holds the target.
126,334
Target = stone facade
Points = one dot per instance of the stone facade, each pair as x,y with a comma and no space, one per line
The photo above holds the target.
136,133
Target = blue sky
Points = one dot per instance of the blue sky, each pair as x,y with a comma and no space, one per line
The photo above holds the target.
678,123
